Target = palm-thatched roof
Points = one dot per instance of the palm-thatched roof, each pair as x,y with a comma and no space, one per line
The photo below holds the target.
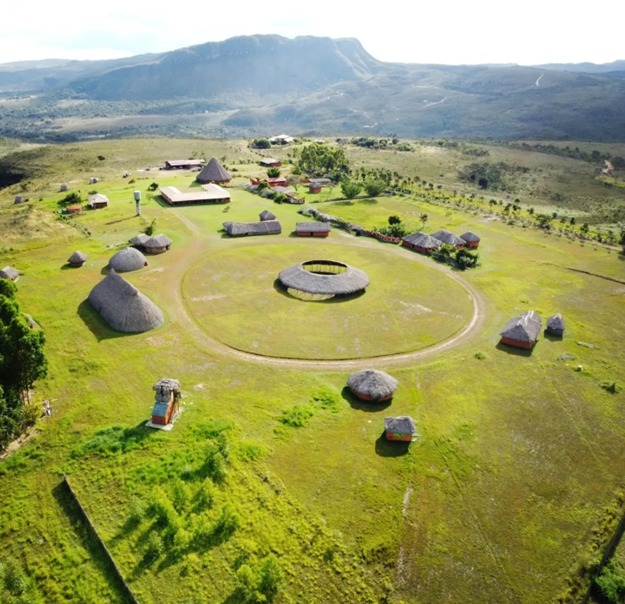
448,237
470,237
157,243
8,272
123,306
128,259
373,385
240,229
267,215
402,424
349,281
213,171
139,240
524,328
422,240
77,258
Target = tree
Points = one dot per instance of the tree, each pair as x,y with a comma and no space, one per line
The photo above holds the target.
273,172
465,258
374,187
423,218
350,188
323,160
70,198
261,143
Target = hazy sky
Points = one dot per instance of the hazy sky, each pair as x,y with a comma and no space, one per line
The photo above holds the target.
453,32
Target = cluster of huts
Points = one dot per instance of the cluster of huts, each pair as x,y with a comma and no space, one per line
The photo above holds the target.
426,244
522,331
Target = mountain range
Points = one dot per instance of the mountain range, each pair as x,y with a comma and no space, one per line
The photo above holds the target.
254,85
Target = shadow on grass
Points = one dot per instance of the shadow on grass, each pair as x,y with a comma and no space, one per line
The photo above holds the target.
552,337
338,299
96,324
360,405
390,448
122,219
513,350
67,266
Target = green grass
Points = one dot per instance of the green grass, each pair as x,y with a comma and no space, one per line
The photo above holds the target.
501,499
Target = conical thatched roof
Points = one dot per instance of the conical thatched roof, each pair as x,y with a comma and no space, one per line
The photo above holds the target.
372,385
139,240
8,272
213,171
157,243
128,259
77,258
123,306
470,237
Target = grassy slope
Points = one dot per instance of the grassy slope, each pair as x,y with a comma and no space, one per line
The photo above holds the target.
497,501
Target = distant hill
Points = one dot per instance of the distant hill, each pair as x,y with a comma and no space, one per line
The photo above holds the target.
250,85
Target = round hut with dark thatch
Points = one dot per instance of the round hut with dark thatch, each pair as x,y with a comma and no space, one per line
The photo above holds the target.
157,244
555,326
470,239
323,279
8,272
266,215
372,385
123,306
64,187
214,172
128,259
77,259
139,240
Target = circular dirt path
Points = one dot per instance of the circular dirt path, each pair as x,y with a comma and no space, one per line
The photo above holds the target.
195,253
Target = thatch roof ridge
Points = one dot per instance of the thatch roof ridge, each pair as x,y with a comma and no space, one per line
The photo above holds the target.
265,227
123,306
213,171
128,259
349,282
448,237
524,328
315,227
375,385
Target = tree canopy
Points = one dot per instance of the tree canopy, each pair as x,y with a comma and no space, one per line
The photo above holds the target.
319,160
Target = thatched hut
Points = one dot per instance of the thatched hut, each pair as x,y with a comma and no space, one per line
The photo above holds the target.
522,331
167,404
555,326
157,244
241,229
214,172
372,385
19,199
447,237
98,200
323,278
402,428
139,240
73,209
420,242
312,229
123,306
64,187
77,259
8,272
470,239
266,215
128,259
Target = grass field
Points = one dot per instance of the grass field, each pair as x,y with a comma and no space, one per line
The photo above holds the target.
502,498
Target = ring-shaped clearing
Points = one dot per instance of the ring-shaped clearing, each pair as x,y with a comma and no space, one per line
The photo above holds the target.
235,298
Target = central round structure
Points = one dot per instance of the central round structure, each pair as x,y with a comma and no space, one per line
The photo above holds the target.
323,279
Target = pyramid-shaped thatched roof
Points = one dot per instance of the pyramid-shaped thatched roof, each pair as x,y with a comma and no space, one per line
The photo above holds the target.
77,258
8,272
123,306
555,323
157,242
470,237
419,239
128,259
213,171
267,215
139,240
402,424
448,237
372,385
524,328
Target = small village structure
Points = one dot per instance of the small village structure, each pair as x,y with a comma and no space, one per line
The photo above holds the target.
123,307
126,260
157,244
323,279
522,331
242,229
555,326
273,181
167,405
312,229
449,238
77,259
420,242
97,201
270,162
207,194
266,215
214,172
19,199
184,164
93,180
281,139
470,239
401,428
8,272
290,194
64,187
372,385
72,209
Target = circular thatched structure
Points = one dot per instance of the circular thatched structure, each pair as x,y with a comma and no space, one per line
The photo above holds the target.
123,306
128,259
323,279
372,385
157,244
77,259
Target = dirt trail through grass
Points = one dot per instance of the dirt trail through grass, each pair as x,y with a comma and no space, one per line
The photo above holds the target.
196,251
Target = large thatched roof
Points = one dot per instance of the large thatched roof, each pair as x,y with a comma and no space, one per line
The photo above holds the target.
312,227
157,243
301,278
8,272
128,259
419,239
123,306
372,385
448,237
402,424
77,258
265,227
213,171
524,328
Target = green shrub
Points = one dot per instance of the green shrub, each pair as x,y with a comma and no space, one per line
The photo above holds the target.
296,416
154,546
611,582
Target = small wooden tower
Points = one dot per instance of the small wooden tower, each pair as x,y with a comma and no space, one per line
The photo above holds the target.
167,405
